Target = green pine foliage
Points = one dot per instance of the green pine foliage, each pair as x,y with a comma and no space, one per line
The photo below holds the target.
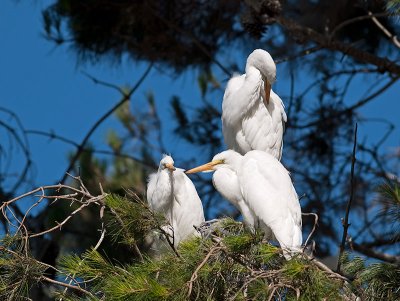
227,263
18,270
129,220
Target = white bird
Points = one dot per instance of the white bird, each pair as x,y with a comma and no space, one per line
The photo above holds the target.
261,187
253,116
172,193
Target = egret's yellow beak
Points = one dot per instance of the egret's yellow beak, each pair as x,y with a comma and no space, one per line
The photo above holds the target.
267,89
170,166
205,167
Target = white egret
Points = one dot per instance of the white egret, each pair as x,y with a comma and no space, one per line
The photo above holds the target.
253,116
173,194
265,188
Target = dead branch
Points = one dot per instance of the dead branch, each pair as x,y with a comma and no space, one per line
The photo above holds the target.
391,36
313,228
356,19
74,287
194,275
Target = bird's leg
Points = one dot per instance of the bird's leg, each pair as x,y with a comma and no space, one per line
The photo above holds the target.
267,89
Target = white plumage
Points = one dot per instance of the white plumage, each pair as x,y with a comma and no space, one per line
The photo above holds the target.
264,187
173,194
253,116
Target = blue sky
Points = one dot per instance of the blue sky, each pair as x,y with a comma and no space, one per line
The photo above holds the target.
46,88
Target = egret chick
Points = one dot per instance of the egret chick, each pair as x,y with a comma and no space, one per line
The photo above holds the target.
265,188
172,193
253,116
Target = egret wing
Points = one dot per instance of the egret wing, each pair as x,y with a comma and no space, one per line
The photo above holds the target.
151,187
263,126
240,95
267,188
187,206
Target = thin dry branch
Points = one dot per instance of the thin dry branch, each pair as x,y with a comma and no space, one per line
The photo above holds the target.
307,34
373,253
356,19
52,135
194,275
391,36
313,228
125,97
345,222
74,287
81,196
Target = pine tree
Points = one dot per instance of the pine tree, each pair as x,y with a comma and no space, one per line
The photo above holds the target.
226,263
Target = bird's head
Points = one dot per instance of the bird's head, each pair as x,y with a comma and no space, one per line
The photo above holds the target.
228,158
263,61
167,163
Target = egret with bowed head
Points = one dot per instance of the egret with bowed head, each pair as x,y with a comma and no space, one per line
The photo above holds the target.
253,116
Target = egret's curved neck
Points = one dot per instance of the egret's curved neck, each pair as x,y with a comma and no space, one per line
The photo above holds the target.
265,66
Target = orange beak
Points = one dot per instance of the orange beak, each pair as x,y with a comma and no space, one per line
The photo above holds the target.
170,166
267,89
204,168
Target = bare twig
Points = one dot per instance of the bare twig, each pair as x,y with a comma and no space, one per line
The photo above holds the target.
55,136
373,95
22,142
351,108
345,221
325,268
125,97
194,275
313,228
103,232
391,36
308,34
373,253
302,53
356,19
74,287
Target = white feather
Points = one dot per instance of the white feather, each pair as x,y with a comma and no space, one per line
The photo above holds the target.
261,188
173,194
247,123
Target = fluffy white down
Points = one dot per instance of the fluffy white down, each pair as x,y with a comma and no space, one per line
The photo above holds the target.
247,123
174,195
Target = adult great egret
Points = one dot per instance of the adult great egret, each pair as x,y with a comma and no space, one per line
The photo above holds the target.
264,186
172,193
253,116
